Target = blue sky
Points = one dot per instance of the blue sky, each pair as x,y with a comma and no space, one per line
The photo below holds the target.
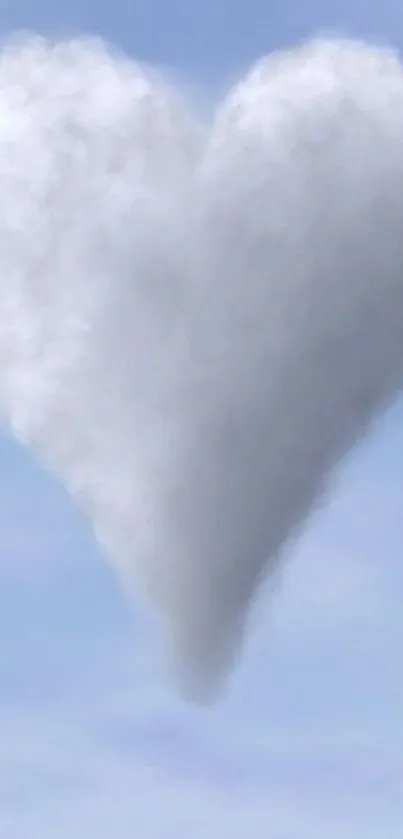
308,741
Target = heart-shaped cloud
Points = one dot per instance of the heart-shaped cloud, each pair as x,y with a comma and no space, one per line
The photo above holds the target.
198,322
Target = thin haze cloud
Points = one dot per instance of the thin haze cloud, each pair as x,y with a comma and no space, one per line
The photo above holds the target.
199,321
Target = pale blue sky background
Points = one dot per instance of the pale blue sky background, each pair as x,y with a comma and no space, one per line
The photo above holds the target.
309,740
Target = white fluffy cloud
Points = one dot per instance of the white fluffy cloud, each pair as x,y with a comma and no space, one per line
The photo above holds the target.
198,321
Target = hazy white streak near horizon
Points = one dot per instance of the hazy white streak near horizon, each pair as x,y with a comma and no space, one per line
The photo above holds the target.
197,322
